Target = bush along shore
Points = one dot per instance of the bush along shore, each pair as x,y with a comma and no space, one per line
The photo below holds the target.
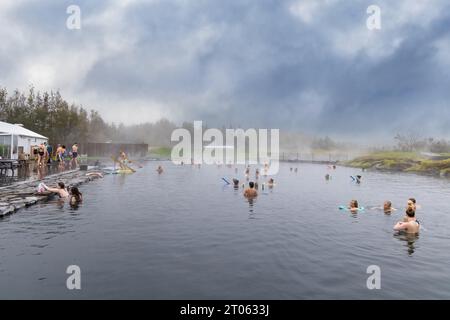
24,194
420,163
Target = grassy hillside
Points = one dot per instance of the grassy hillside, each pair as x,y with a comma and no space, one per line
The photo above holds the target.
403,162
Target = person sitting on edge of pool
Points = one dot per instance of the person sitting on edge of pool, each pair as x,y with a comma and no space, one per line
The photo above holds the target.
60,190
160,169
411,225
250,192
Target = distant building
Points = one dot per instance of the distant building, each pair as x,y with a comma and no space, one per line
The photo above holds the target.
15,140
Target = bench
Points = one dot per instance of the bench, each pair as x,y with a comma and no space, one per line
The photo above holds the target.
6,165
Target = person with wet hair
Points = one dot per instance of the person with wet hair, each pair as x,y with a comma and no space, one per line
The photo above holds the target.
387,207
236,183
250,192
76,197
412,204
61,190
411,225
353,206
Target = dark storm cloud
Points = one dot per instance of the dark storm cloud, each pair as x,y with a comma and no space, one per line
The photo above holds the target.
303,65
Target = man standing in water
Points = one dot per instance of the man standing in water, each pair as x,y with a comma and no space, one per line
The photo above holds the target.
410,225
251,192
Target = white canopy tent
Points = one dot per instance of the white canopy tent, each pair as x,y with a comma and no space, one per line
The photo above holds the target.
15,139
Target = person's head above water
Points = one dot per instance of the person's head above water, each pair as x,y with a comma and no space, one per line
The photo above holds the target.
251,184
236,182
61,185
410,213
76,193
412,203
387,205
354,204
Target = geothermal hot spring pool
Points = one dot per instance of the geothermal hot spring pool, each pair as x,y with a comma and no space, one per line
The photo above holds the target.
186,235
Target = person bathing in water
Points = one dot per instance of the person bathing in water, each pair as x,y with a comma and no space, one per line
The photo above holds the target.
410,225
251,192
61,190
387,207
353,206
160,169
412,204
76,197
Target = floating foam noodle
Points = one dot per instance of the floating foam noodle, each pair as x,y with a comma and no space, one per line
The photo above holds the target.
345,208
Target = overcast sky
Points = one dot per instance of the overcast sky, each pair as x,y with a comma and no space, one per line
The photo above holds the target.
303,65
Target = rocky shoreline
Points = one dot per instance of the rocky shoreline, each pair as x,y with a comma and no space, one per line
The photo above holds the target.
402,162
24,194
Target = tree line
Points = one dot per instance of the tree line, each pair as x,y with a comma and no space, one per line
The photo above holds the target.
50,115
413,142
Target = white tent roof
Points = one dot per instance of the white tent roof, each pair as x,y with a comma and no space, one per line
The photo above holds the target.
18,130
